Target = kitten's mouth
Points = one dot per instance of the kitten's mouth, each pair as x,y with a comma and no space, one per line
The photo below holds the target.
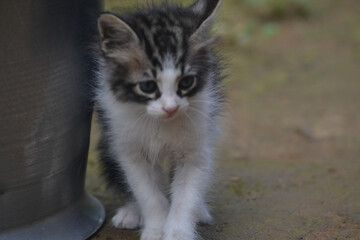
169,117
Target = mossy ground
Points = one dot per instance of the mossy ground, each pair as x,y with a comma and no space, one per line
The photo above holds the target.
289,163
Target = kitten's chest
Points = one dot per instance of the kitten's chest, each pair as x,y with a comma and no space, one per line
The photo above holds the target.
168,137
157,137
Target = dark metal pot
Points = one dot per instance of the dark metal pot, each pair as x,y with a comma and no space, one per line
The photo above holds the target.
45,115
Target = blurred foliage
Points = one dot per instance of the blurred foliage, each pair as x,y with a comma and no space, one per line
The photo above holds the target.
270,10
257,19
241,21
266,10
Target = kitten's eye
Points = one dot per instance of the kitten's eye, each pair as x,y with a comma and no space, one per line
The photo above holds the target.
186,82
148,86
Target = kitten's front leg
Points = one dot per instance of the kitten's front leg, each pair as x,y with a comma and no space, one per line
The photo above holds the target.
189,186
145,181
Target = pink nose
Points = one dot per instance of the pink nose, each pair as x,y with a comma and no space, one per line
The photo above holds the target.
170,110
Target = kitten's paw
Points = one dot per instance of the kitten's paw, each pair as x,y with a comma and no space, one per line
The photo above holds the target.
204,215
127,217
152,234
178,234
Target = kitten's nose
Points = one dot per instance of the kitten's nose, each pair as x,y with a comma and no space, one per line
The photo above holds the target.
170,110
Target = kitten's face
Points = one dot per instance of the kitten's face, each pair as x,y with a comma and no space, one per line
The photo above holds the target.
159,57
167,93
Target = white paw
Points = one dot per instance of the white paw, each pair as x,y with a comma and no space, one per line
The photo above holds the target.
204,215
152,234
127,217
178,234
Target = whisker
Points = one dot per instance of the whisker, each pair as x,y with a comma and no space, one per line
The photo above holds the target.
198,111
139,117
188,116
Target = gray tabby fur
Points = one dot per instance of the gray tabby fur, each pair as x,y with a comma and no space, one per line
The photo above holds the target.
160,95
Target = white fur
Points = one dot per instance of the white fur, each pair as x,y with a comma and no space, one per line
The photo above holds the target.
180,128
140,137
127,217
167,84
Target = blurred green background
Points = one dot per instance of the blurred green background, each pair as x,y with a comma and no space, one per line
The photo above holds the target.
289,161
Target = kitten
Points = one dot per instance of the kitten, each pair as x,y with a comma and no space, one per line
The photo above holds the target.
160,95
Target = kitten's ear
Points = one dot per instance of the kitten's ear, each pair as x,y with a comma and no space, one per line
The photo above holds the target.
115,34
206,10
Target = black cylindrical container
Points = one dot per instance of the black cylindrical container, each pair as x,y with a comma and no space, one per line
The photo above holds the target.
45,115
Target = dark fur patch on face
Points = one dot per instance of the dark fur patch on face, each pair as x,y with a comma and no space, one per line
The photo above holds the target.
165,31
123,88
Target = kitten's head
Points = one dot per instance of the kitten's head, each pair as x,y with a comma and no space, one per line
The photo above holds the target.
159,57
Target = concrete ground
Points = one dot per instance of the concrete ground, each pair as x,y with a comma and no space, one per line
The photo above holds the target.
289,163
